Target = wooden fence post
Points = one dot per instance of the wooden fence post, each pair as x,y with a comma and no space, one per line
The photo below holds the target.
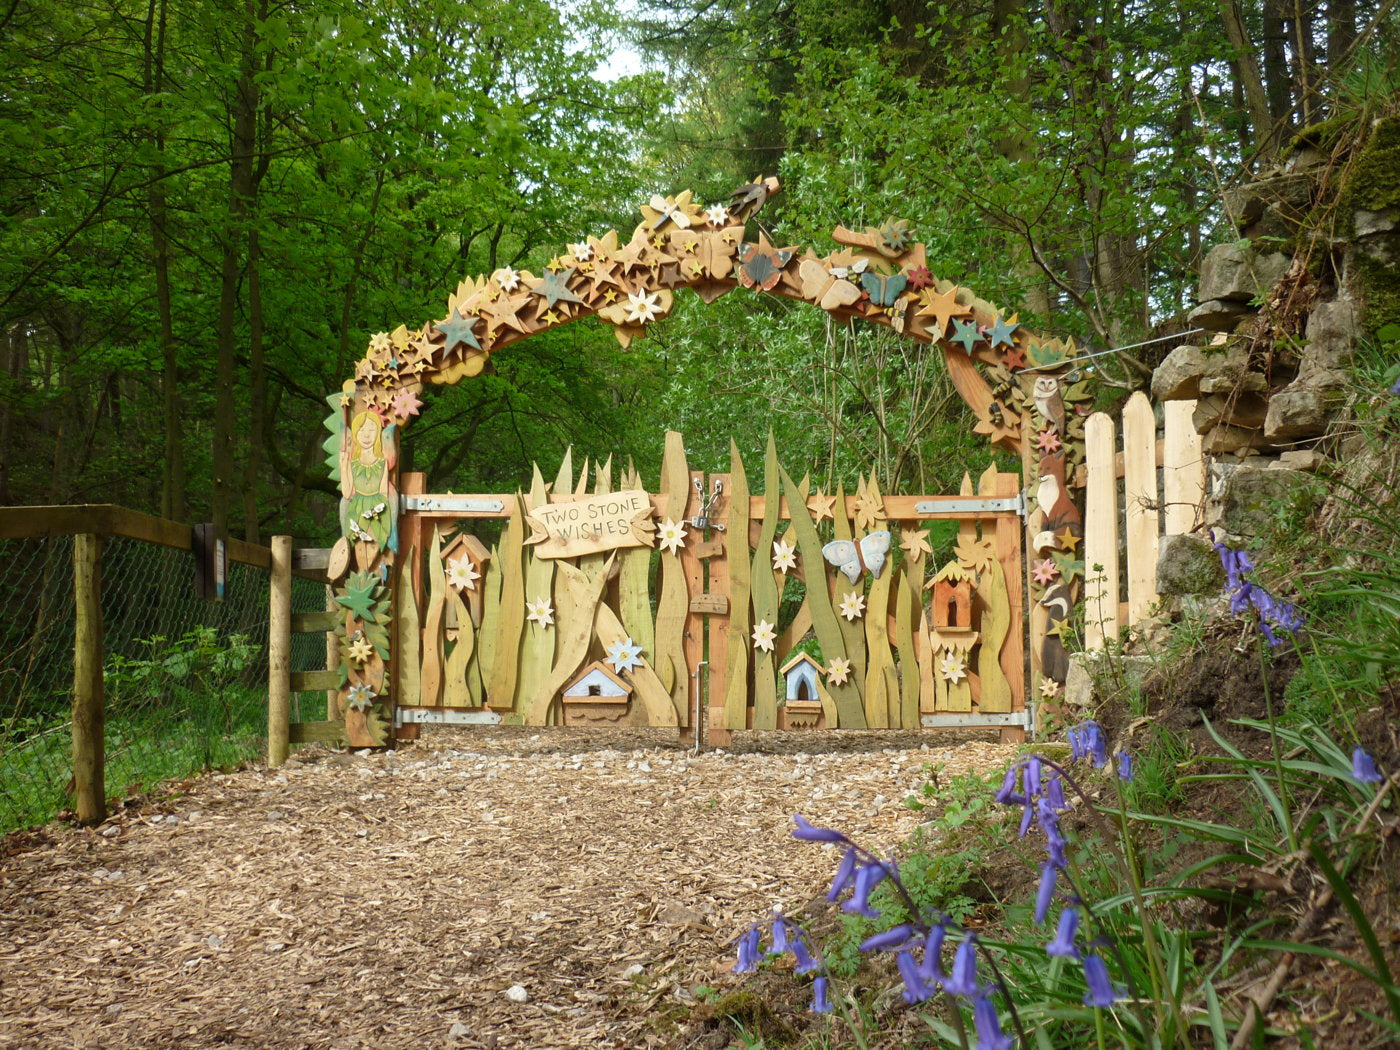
89,765
279,653
1101,579
1183,468
1140,501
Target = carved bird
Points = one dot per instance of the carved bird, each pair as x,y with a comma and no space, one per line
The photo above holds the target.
1048,403
748,198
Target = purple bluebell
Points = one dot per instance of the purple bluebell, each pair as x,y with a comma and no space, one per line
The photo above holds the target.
809,833
820,1003
929,968
1101,992
1027,817
988,1025
1007,794
845,874
1055,791
748,951
805,962
1033,776
894,937
1395,388
915,990
1055,841
964,978
1363,768
1063,944
1045,893
1125,767
780,935
868,876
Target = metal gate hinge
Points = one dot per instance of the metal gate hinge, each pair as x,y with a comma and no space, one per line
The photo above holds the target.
1015,503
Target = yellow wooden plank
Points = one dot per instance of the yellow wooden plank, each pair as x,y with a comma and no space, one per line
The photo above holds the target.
510,619
673,601
877,641
653,699
455,692
564,479
906,599
1183,468
1102,581
576,597
764,596
634,586
1140,499
997,613
736,679
490,616
408,652
536,643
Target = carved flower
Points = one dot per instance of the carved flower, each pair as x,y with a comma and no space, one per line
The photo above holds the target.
764,636
461,573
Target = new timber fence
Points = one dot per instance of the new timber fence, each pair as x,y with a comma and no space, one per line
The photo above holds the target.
114,674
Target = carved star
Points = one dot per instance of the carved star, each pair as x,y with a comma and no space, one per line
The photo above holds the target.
1003,331
554,288
505,311
1049,688
549,317
582,252
407,403
360,649
1047,441
717,215
965,333
379,342
364,371
359,596
942,307
920,278
915,542
1014,357
821,506
643,307
973,554
1044,571
458,331
462,574
1067,540
507,278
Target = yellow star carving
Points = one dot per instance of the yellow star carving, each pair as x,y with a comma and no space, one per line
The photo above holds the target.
821,506
1068,540
915,542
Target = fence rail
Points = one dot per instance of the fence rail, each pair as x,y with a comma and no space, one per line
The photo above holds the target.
114,675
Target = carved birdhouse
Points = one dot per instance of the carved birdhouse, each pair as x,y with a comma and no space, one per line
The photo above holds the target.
951,609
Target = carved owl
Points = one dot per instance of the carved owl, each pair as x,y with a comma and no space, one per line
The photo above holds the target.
1045,393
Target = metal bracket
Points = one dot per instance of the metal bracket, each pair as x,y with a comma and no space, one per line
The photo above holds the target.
973,506
440,716
461,504
972,719
702,519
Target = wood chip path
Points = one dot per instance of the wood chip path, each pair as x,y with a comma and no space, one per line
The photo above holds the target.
411,900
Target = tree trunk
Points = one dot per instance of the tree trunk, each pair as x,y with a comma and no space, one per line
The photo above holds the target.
241,187
1276,78
257,393
1248,78
1341,32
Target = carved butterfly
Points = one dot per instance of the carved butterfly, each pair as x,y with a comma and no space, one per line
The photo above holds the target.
825,287
884,290
851,558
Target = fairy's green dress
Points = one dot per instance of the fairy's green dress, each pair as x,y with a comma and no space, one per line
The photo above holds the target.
367,513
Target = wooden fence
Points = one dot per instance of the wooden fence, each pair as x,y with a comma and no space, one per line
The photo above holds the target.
1135,495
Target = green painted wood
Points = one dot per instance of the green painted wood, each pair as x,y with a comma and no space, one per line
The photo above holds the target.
736,686
764,596
314,681
485,659
907,597
879,659
852,631
634,586
849,712
408,657
314,622
434,641
673,601
564,479
536,643
318,733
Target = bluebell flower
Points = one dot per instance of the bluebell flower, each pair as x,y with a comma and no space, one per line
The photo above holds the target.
929,969
805,962
868,876
1395,388
1055,791
988,1025
845,875
964,978
894,937
748,951
1101,992
1086,741
809,833
1125,767
1045,894
915,990
1007,794
1033,776
1363,768
820,1003
1063,944
780,936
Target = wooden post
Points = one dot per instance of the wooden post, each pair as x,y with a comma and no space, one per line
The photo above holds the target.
89,765
1183,468
1101,579
279,653
1140,501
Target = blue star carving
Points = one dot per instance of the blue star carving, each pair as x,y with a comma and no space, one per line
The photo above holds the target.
554,288
966,333
1002,332
459,332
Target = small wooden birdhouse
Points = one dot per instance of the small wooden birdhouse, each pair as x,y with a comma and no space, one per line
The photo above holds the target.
596,696
800,675
952,598
473,548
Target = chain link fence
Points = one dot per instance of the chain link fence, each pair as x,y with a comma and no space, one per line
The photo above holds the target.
185,679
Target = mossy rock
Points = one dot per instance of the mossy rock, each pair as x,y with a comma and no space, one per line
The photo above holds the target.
1374,186
750,1013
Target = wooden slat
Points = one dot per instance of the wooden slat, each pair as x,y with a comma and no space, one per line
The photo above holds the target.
717,632
576,596
311,559
536,642
1140,502
673,600
764,595
434,638
314,622
317,732
1101,573
735,682
1183,468
510,621
693,640
998,614
314,681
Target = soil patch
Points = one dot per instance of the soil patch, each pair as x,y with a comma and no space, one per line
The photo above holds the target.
486,888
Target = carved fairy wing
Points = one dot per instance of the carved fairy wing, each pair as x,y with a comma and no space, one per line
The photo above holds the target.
843,555
873,549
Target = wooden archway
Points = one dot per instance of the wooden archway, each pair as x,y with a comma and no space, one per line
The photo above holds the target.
1013,381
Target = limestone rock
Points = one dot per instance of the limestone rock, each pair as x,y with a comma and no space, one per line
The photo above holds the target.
1305,459
1237,272
1249,383
1252,497
1305,408
1369,222
1287,196
1219,315
1240,410
1225,438
1331,335
1187,564
1179,376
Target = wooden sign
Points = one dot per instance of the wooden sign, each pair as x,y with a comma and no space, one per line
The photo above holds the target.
592,524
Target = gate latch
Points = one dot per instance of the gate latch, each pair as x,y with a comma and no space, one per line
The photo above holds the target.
702,517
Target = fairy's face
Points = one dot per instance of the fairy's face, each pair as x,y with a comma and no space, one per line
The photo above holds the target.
365,436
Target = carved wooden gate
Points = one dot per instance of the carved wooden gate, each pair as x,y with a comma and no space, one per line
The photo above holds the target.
710,603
